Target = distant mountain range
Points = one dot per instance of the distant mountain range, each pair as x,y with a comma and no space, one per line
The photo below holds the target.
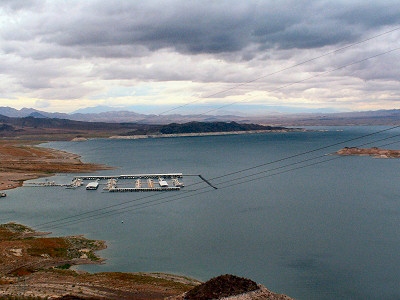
120,116
34,127
379,117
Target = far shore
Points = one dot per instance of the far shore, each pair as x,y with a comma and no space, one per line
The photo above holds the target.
23,160
145,136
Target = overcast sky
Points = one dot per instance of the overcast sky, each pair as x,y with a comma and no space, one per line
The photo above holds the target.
65,55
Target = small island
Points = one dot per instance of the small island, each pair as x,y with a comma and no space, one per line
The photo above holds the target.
374,152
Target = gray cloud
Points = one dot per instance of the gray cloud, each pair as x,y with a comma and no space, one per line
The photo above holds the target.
78,49
15,5
195,27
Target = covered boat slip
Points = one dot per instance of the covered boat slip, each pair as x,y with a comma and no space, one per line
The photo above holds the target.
142,182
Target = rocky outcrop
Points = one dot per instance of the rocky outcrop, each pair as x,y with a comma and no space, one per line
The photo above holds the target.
374,151
230,287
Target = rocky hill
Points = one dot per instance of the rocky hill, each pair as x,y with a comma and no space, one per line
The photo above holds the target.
39,126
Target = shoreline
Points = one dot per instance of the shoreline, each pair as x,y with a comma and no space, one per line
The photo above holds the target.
171,135
24,160
373,152
41,265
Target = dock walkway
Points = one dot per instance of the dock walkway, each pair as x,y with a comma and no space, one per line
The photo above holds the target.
132,176
158,189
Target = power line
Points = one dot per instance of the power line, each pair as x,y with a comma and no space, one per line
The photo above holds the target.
276,72
240,171
281,87
293,83
302,80
157,201
290,84
154,203
229,174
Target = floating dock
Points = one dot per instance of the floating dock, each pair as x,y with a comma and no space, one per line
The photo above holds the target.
47,183
142,182
132,176
148,189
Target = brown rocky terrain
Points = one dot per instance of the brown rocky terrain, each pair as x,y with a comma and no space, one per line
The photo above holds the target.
32,265
37,266
375,152
230,287
23,160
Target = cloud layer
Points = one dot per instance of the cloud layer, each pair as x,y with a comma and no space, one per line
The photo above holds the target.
64,52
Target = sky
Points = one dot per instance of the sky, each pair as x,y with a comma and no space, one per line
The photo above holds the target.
67,55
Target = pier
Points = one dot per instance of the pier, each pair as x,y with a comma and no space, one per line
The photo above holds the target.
131,176
148,189
158,182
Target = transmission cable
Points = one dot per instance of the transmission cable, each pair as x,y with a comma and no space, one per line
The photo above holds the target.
293,83
123,209
300,81
276,72
154,203
228,174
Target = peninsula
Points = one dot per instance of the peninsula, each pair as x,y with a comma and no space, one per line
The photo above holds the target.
374,152
36,266
24,160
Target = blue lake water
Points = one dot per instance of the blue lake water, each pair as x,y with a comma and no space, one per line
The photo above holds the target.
327,231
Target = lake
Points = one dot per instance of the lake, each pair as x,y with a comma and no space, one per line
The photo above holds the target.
327,231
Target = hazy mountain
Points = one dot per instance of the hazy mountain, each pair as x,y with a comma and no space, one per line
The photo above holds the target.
36,114
379,117
25,112
96,109
12,112
110,116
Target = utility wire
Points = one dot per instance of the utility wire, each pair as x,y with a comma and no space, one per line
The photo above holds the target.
154,203
246,177
281,70
293,83
300,81
261,164
225,175
276,72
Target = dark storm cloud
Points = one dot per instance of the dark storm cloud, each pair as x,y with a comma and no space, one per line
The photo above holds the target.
58,49
195,27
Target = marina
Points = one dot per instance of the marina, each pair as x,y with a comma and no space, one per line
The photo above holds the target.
153,189
132,176
121,183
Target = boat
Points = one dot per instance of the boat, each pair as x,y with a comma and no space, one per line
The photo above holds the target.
111,183
177,183
92,185
162,182
3,195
